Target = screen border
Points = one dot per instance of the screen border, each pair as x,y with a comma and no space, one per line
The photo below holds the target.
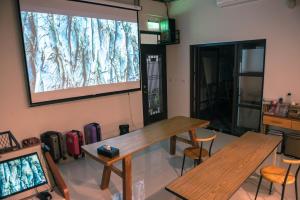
30,188
75,98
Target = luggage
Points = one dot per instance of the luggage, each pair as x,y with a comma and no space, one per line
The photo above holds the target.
54,140
63,146
74,142
124,128
92,133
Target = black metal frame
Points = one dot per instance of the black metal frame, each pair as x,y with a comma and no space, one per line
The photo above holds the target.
34,104
194,71
13,143
198,71
199,160
102,4
164,115
238,74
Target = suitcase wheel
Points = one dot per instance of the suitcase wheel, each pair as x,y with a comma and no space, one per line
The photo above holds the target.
76,157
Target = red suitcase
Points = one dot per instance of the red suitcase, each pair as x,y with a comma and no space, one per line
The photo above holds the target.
74,142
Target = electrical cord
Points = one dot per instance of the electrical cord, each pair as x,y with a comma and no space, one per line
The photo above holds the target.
167,7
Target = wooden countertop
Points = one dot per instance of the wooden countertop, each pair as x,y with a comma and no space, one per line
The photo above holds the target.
281,117
221,175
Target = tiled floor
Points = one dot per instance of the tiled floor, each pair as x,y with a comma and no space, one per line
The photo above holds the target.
153,169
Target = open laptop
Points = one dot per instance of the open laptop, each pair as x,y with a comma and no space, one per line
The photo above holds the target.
23,173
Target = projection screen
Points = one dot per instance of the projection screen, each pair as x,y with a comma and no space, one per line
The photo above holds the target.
75,49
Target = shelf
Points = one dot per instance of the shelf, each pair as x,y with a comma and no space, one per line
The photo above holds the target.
177,39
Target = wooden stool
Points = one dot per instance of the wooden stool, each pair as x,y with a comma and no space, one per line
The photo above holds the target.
280,175
195,152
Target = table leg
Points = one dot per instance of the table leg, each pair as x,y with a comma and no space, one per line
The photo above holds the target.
127,178
264,128
173,145
105,177
192,134
275,156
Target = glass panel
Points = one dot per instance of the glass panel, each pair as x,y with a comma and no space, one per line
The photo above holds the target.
210,67
252,60
248,118
154,73
209,81
250,90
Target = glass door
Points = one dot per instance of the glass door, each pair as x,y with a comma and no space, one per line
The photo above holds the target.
154,83
249,81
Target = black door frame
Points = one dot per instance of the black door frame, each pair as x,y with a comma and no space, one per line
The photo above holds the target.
152,49
238,74
195,49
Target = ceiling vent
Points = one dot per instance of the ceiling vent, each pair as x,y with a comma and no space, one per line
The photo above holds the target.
224,3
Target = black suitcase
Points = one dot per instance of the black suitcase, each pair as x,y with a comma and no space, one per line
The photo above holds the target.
56,143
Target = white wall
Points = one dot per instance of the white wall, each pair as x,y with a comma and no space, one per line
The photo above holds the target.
201,21
23,121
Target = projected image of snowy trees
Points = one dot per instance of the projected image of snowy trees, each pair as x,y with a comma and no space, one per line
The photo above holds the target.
70,51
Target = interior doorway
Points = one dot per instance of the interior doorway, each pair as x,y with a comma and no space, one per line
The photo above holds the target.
227,85
154,82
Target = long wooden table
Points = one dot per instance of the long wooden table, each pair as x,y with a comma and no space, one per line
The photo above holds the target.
222,174
137,141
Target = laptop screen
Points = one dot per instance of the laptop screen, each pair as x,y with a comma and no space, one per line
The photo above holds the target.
21,174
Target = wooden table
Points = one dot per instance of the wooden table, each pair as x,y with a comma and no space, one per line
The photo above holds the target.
137,141
222,174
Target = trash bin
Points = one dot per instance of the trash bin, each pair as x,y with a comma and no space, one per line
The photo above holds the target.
292,145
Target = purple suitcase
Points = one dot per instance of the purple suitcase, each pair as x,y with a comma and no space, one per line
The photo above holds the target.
92,133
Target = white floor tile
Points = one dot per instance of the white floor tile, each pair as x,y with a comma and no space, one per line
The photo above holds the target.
153,169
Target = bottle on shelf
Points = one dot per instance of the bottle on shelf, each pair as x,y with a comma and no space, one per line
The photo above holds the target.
288,98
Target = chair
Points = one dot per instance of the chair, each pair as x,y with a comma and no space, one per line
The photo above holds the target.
8,142
280,175
197,152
